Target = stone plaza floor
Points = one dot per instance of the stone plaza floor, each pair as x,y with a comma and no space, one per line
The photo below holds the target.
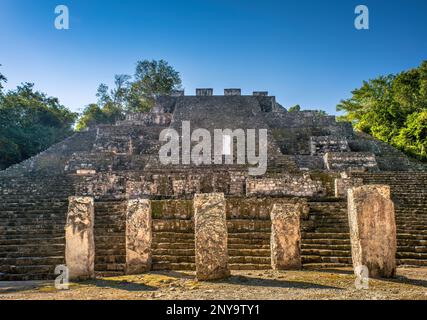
410,283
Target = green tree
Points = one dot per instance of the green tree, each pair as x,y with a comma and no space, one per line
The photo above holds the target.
412,138
2,79
30,122
138,94
295,108
152,79
390,108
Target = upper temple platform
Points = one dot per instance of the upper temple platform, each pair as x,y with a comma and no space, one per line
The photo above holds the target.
297,141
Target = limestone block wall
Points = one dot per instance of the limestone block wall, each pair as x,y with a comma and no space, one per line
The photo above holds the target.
285,185
101,185
178,184
350,161
148,119
342,185
324,144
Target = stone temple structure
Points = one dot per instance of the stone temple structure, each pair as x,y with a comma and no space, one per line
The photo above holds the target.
141,213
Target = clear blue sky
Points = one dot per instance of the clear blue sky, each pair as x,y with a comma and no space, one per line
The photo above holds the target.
305,51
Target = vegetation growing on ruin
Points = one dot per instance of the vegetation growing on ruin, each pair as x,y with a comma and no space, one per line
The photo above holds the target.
30,122
131,94
393,109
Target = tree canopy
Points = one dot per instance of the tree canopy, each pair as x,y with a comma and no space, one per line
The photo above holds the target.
30,122
393,109
131,94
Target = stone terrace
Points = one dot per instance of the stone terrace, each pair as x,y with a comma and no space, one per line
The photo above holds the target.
307,151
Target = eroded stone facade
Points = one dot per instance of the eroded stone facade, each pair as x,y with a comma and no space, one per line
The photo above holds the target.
79,238
373,229
210,236
138,236
286,235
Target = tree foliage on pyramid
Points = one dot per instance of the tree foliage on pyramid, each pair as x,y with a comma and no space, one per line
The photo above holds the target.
392,109
131,94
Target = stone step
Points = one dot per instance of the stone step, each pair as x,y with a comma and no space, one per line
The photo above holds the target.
249,252
412,262
30,269
248,266
173,259
241,225
27,276
316,246
107,267
110,259
173,225
249,260
158,266
172,246
416,248
323,235
325,241
408,236
22,252
248,246
411,255
114,250
7,263
315,266
233,240
325,253
249,235
175,252
35,241
325,259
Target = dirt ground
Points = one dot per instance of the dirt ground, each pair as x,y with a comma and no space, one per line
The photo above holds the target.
410,283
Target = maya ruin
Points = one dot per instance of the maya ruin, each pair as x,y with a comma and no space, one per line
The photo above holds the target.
101,202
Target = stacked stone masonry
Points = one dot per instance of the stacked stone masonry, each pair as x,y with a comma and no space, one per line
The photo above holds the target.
307,155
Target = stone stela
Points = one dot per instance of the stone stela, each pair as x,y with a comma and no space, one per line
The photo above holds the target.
130,213
286,235
373,229
79,238
138,236
210,236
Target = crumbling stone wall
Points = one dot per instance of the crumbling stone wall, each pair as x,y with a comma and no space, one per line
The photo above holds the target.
322,145
350,161
285,185
343,184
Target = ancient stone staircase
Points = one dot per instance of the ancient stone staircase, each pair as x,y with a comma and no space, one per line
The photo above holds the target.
53,160
173,235
110,241
32,219
325,239
409,193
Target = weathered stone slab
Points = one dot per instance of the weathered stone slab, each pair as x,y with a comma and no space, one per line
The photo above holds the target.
324,144
372,229
79,238
354,161
286,235
211,236
138,236
285,185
